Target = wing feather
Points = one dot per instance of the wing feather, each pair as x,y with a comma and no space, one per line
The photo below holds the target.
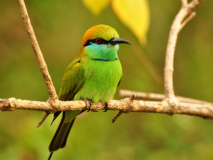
72,82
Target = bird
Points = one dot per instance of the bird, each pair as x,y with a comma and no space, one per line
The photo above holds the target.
92,76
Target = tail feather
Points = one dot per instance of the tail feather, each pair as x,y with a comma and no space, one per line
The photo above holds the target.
50,155
56,114
60,138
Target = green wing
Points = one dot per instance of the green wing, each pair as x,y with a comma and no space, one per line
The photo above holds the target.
72,81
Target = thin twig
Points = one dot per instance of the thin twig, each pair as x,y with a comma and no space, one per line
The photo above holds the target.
184,15
185,21
38,53
158,97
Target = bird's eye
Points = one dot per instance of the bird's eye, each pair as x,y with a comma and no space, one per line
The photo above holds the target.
98,40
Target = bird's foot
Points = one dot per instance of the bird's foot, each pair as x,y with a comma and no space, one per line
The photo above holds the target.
88,104
106,107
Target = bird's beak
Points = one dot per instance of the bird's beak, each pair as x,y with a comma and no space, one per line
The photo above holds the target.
117,40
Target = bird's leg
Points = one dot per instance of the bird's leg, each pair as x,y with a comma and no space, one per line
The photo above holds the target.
106,107
88,104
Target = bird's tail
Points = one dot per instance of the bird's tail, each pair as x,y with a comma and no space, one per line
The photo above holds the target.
60,138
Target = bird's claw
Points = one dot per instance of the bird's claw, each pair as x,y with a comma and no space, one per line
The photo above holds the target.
106,107
88,104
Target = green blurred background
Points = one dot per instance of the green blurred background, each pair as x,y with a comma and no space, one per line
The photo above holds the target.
59,27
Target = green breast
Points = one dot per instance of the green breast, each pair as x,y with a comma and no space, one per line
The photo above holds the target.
101,80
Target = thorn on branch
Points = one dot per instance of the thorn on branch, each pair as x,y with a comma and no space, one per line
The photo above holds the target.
120,112
116,116
129,104
43,119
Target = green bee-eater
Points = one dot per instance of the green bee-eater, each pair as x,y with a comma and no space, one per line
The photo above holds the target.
93,75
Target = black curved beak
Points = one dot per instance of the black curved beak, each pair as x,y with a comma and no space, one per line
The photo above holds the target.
117,40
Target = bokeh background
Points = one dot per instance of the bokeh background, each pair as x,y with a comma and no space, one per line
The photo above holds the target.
59,27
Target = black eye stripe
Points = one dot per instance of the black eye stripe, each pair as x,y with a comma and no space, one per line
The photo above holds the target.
94,41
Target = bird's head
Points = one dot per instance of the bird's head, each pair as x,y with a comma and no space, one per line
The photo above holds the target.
101,42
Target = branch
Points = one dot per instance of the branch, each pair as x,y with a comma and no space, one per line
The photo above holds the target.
184,16
158,97
38,53
182,105
124,105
